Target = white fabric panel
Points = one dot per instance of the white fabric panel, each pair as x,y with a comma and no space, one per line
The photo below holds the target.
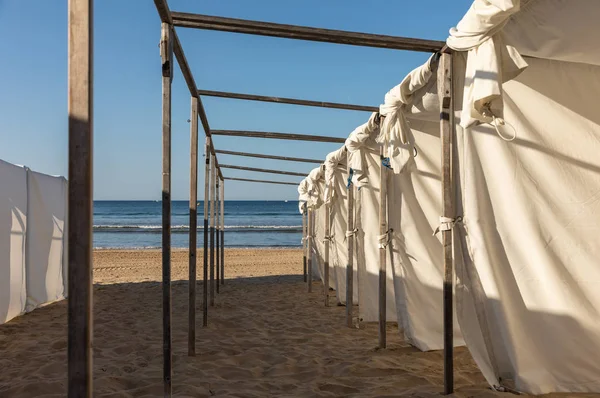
363,156
337,193
527,257
415,207
490,60
556,29
46,219
13,229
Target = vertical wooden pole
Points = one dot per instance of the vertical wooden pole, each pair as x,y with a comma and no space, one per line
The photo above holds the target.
446,110
193,227
350,246
213,174
80,194
326,255
207,165
382,249
218,233
222,232
309,243
166,51
304,240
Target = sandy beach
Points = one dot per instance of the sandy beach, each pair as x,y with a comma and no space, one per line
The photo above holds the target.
266,337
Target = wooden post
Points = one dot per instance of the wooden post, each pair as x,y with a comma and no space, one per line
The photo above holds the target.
222,232
212,230
218,234
350,246
207,166
80,194
309,243
326,255
383,228
166,51
304,243
446,112
193,227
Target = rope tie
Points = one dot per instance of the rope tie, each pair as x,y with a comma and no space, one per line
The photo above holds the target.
350,234
498,121
446,224
384,240
328,239
351,173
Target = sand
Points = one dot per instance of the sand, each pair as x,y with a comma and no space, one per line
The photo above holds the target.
266,337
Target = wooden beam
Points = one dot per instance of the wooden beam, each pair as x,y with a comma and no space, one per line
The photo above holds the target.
446,116
350,236
383,231
303,33
193,227
304,215
166,52
217,233
261,156
326,255
279,136
80,198
207,167
213,178
163,11
261,181
290,101
309,243
289,173
222,231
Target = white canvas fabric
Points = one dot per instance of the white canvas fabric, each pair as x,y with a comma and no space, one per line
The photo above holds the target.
336,172
316,190
47,198
33,264
414,208
527,250
13,230
363,157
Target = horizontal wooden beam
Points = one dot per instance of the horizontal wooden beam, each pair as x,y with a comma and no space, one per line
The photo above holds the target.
258,155
289,173
303,32
262,181
291,101
279,136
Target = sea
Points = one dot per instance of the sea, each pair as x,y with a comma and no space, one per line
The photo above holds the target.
137,224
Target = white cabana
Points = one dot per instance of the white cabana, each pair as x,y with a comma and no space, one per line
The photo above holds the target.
526,88
336,171
363,157
33,263
412,132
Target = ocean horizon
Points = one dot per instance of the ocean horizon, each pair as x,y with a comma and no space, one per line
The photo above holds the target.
137,224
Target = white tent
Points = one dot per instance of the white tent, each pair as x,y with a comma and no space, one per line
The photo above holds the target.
527,250
33,264
363,157
336,171
411,131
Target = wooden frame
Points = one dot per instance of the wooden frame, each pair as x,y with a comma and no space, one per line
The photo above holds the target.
262,156
446,134
198,21
193,227
278,136
289,101
289,173
81,168
80,199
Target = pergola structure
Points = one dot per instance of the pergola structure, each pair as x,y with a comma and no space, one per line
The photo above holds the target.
80,171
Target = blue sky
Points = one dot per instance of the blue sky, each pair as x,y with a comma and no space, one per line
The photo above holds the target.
127,85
